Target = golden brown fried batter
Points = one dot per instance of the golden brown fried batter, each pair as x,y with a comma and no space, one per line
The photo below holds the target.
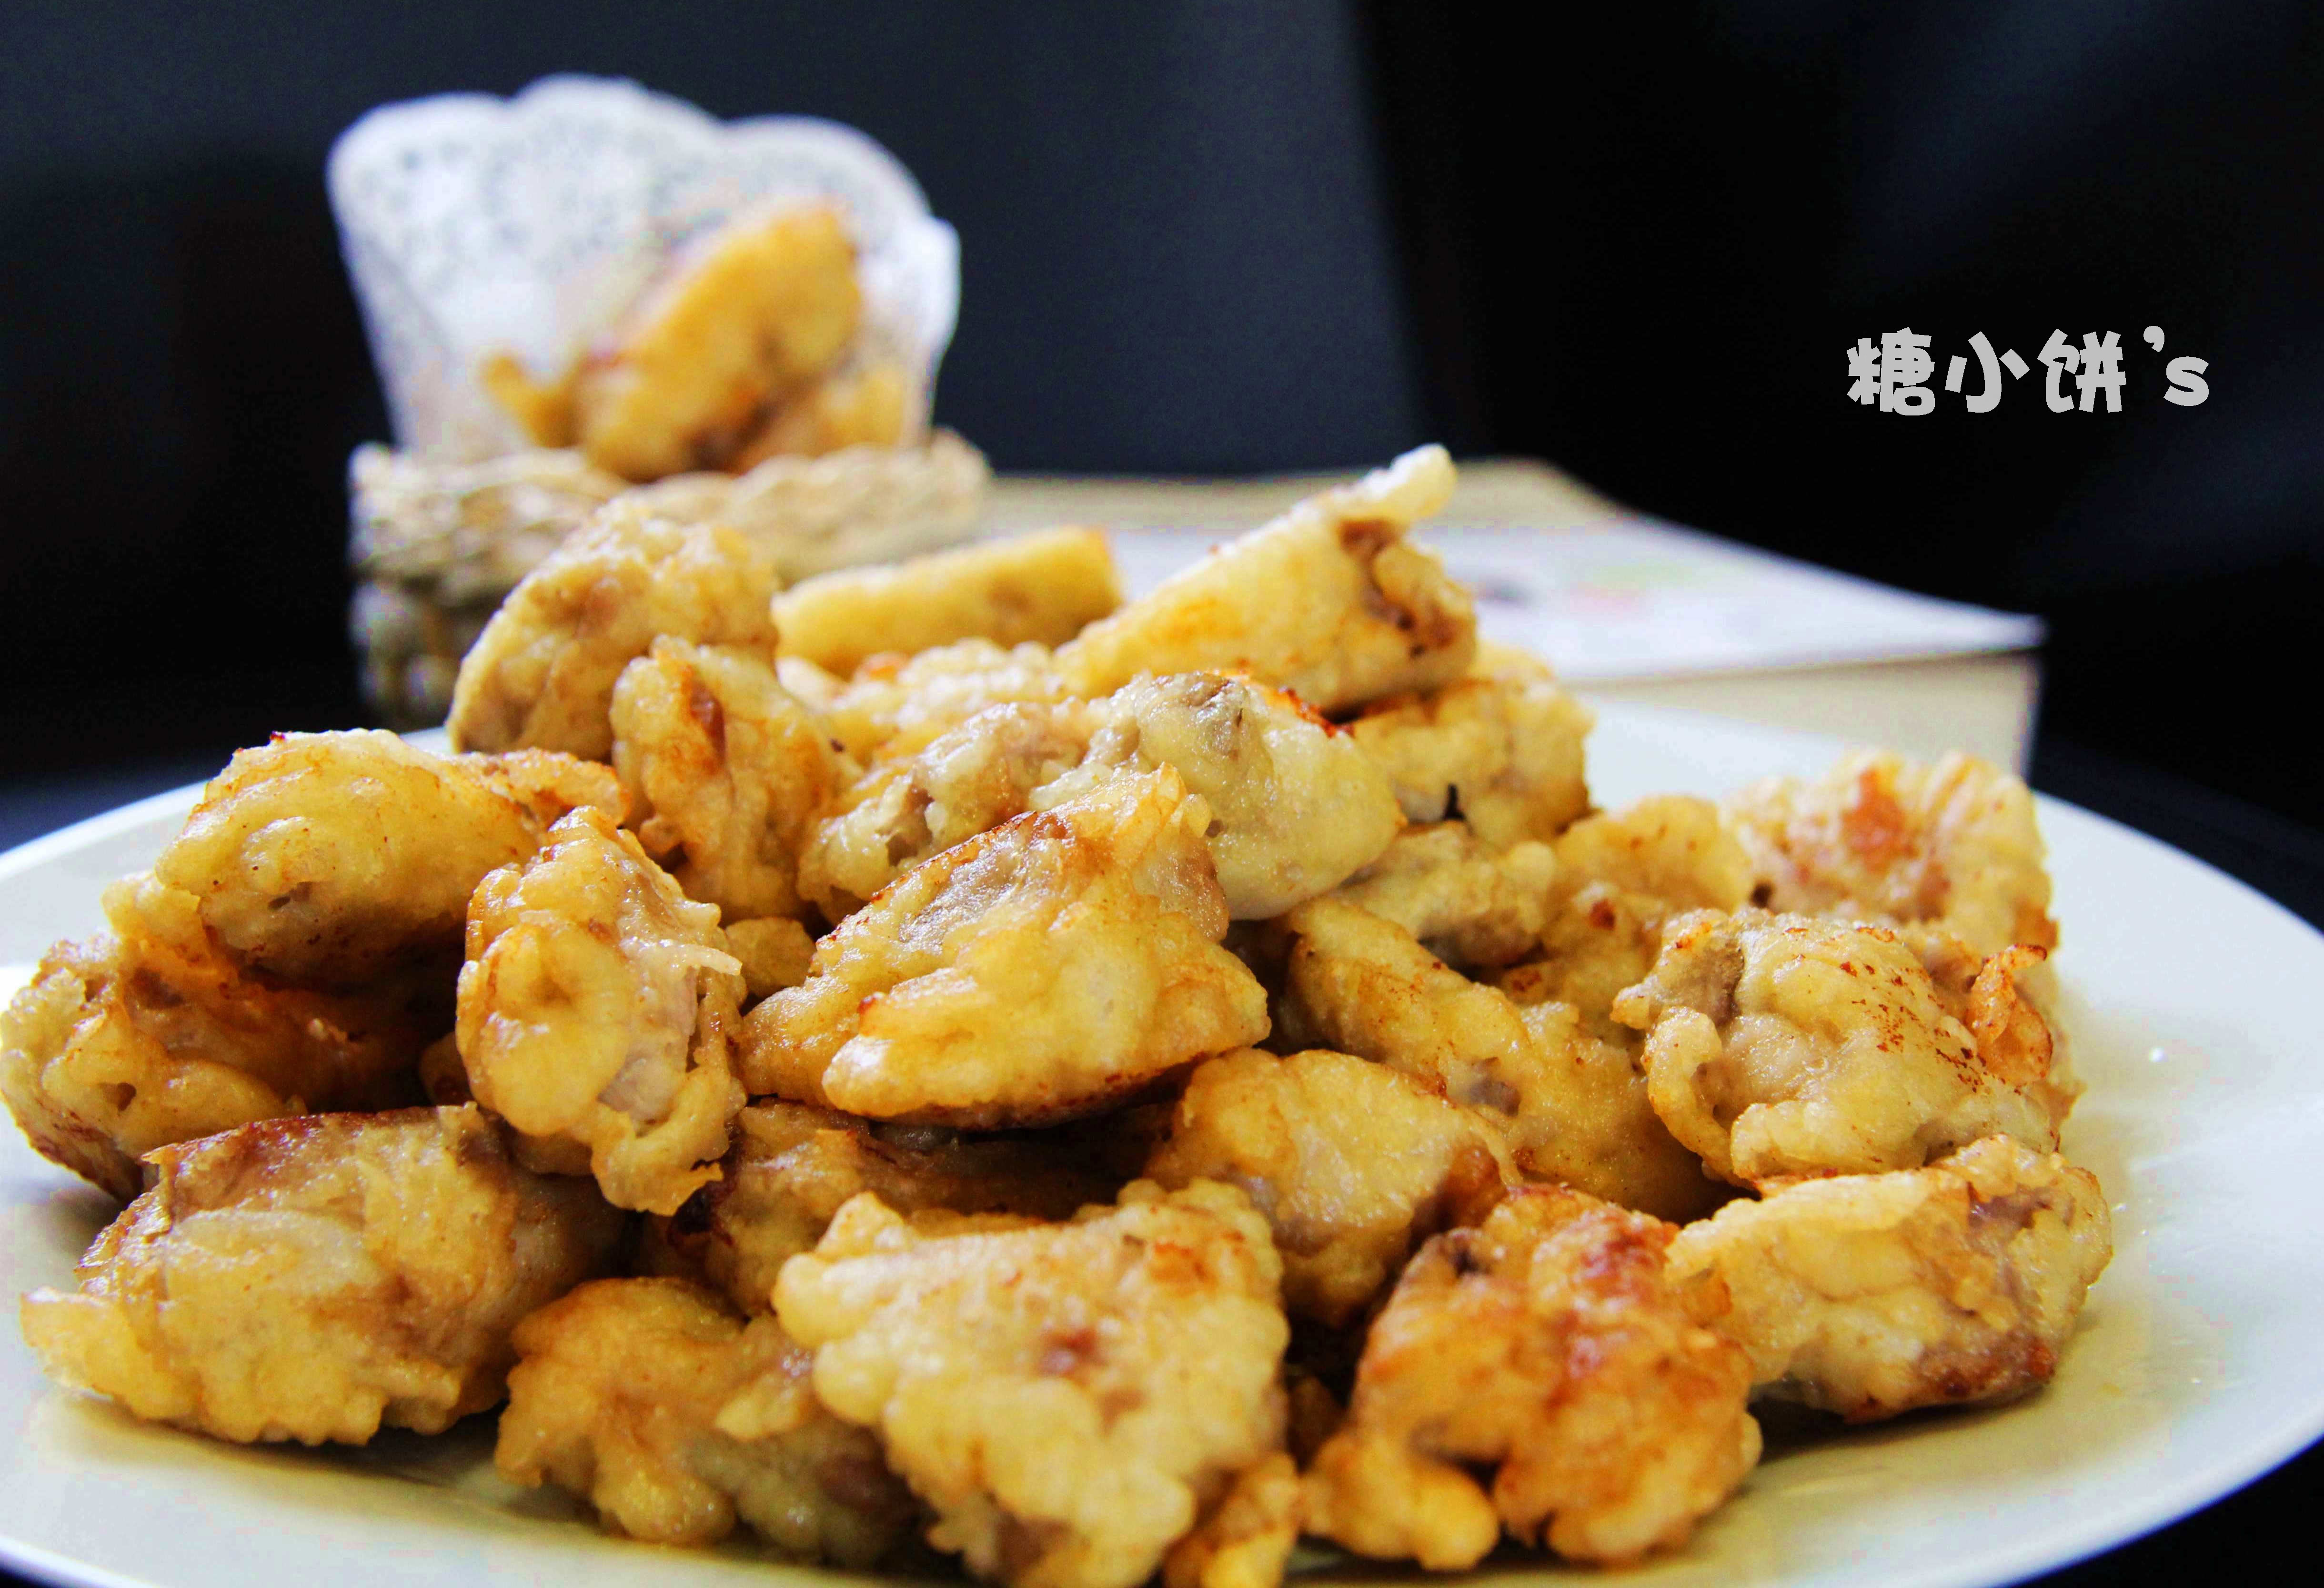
1619,877
312,1279
150,1036
1063,1397
1352,1163
1041,971
774,953
1330,601
909,807
675,1418
726,769
1546,1343
332,860
597,1013
549,783
1464,903
750,314
1784,1045
867,406
1245,1540
894,705
1869,1295
1294,806
1500,748
1043,588
793,1166
1883,839
1573,1108
542,673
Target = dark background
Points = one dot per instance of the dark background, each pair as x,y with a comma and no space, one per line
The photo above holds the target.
1201,238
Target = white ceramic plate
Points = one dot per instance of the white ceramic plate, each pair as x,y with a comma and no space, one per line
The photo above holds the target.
2195,1368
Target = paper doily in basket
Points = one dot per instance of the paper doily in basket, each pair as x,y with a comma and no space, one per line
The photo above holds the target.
472,223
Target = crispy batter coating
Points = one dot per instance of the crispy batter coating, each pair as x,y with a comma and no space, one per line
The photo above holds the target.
1619,877
675,1417
1547,1344
1330,601
1575,1109
867,406
331,860
1043,588
1246,1538
1041,971
1883,839
894,705
1352,1164
793,1166
1787,1044
752,314
597,1011
311,1279
1501,748
1063,1397
542,673
726,769
1464,903
1869,1295
549,783
774,953
906,808
148,1035
1296,808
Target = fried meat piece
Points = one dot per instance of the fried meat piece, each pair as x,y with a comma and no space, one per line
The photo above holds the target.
1879,838
774,952
866,406
542,673
149,1035
1465,904
1246,1538
675,1419
1575,1109
333,860
1352,1164
1043,970
794,1166
1042,587
549,783
1869,1295
1619,877
1294,806
965,780
1064,1398
1782,1044
1501,748
1330,601
753,313
1546,1343
312,1279
724,770
597,1013
894,705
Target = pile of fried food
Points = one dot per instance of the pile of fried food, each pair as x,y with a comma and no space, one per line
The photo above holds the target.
749,384
746,348
936,1058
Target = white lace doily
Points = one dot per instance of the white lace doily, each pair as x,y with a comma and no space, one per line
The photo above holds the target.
472,223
